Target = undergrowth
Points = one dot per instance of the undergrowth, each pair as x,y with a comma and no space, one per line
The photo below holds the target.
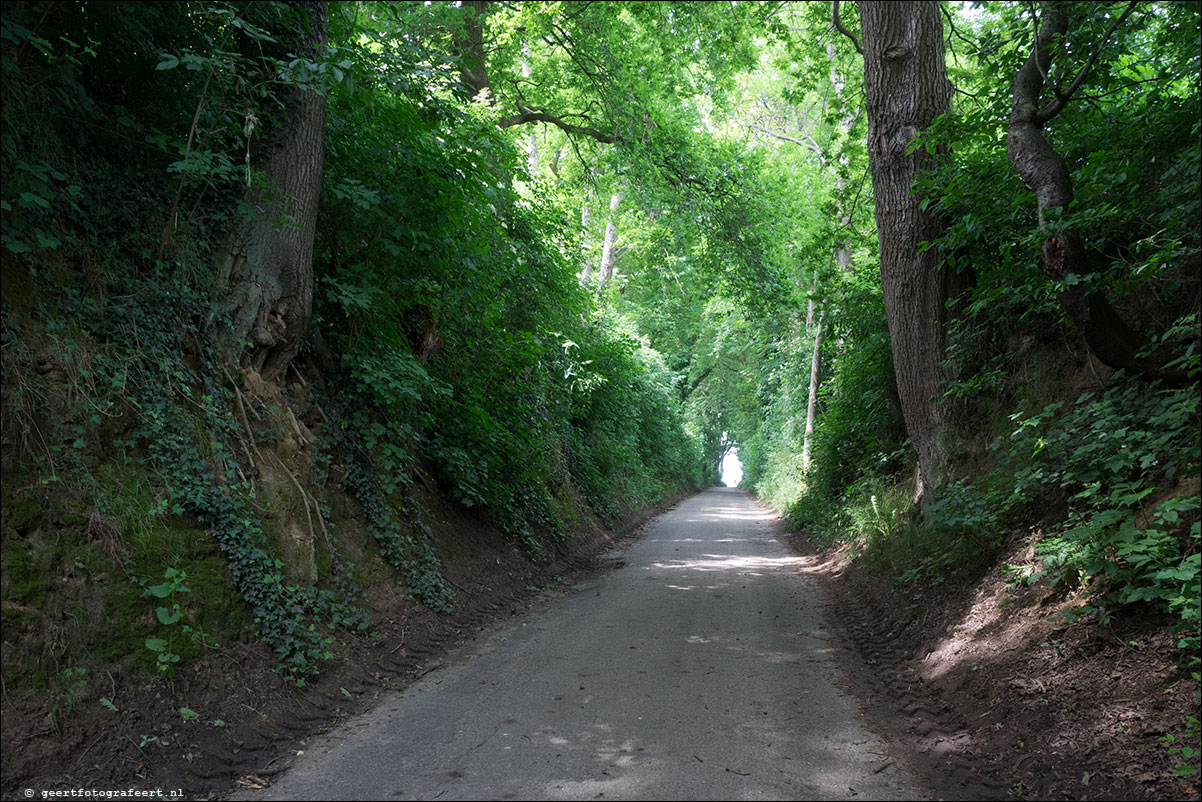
1108,488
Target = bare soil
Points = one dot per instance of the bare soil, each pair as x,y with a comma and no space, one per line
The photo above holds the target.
989,693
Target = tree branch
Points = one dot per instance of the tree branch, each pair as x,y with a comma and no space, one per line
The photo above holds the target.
810,145
1045,173
839,26
1057,104
953,30
689,387
563,125
1042,169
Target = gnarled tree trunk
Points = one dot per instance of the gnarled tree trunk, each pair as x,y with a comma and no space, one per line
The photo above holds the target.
1046,174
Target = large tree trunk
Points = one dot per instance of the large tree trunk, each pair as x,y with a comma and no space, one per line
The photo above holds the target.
907,88
469,47
266,265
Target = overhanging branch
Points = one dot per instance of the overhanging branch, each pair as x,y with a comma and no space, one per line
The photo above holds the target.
1057,104
563,125
843,29
810,145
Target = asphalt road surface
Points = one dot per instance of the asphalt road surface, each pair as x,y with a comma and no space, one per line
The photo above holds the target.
700,670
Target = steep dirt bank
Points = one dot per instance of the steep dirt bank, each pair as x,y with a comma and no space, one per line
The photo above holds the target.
990,694
227,719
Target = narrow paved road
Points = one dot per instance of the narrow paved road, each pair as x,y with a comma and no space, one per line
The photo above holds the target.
698,671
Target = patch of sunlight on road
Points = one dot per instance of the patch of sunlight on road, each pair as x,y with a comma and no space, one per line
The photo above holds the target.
713,540
716,562
627,766
730,514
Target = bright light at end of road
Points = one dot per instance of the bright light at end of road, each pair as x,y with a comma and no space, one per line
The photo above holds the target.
732,469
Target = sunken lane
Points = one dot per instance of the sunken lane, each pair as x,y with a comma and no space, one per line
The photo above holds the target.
700,670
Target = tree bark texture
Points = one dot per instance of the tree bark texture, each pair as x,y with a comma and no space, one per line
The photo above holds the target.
266,266
906,89
1045,173
469,45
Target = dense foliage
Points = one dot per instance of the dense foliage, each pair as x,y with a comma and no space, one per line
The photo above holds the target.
450,335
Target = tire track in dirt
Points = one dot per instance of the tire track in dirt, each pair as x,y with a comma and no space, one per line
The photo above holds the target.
933,739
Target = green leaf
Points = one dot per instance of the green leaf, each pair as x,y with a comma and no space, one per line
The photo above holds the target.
16,245
35,200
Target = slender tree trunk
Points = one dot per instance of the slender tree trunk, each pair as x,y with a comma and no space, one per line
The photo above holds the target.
843,257
532,140
810,301
847,123
532,153
607,246
266,264
586,228
812,402
907,88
